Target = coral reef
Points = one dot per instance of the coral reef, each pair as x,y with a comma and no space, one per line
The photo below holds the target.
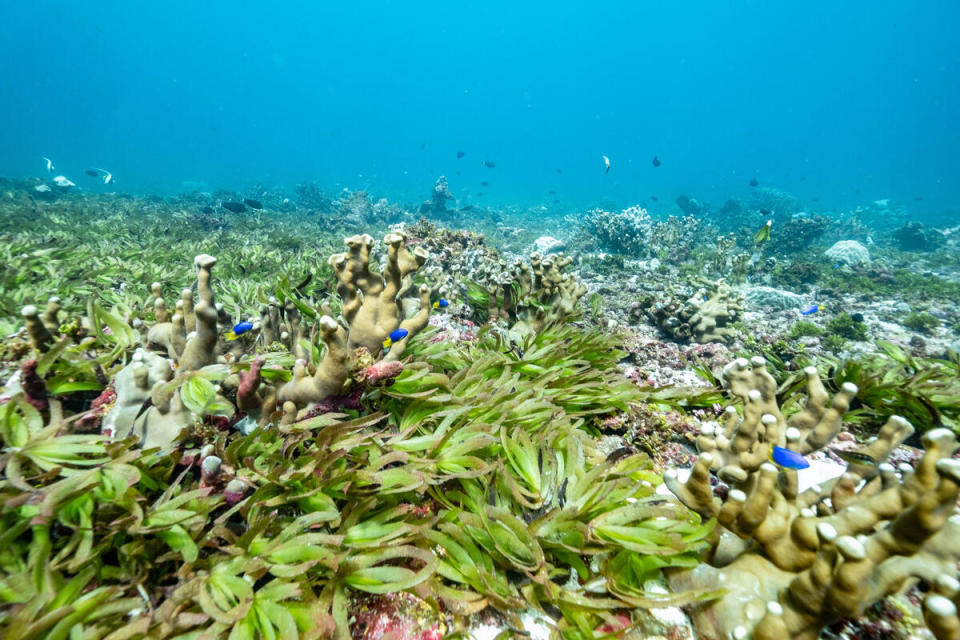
848,252
538,297
625,232
311,481
774,200
770,298
469,486
799,233
792,562
704,317
437,204
915,236
371,312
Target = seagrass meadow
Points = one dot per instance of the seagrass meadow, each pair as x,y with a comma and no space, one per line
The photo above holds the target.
336,419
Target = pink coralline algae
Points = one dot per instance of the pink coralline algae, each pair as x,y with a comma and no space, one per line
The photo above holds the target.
335,404
247,391
234,492
100,406
34,388
223,423
394,616
619,622
380,372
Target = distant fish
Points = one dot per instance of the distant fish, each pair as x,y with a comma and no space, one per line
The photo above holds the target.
488,164
441,304
63,181
100,173
754,182
787,459
606,164
560,171
855,457
763,234
395,336
556,202
836,265
654,198
552,193
459,172
253,204
460,154
656,161
469,207
238,330
809,311
49,164
236,207
918,198
484,184
207,209
766,212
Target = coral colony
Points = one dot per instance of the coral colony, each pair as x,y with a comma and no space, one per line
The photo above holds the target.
478,423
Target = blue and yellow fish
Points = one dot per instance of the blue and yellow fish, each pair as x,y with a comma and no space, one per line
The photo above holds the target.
787,459
809,311
238,330
395,336
441,304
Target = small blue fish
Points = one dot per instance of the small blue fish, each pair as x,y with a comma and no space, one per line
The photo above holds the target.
239,329
441,304
787,458
836,266
395,336
809,311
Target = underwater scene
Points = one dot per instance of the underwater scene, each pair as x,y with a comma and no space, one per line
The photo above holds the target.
449,321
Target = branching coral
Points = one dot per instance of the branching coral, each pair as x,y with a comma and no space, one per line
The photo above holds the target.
438,198
538,297
793,562
148,403
371,311
626,232
704,317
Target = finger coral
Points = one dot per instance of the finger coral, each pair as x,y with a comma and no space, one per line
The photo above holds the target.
371,312
539,296
705,317
793,562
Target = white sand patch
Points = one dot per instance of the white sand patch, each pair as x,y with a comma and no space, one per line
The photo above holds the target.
534,623
669,616
819,471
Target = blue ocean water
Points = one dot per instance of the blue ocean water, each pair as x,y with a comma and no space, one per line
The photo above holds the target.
839,103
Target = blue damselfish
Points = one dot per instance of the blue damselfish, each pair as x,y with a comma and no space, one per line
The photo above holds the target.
787,458
239,329
395,336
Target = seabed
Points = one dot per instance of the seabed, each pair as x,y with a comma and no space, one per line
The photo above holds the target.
353,418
